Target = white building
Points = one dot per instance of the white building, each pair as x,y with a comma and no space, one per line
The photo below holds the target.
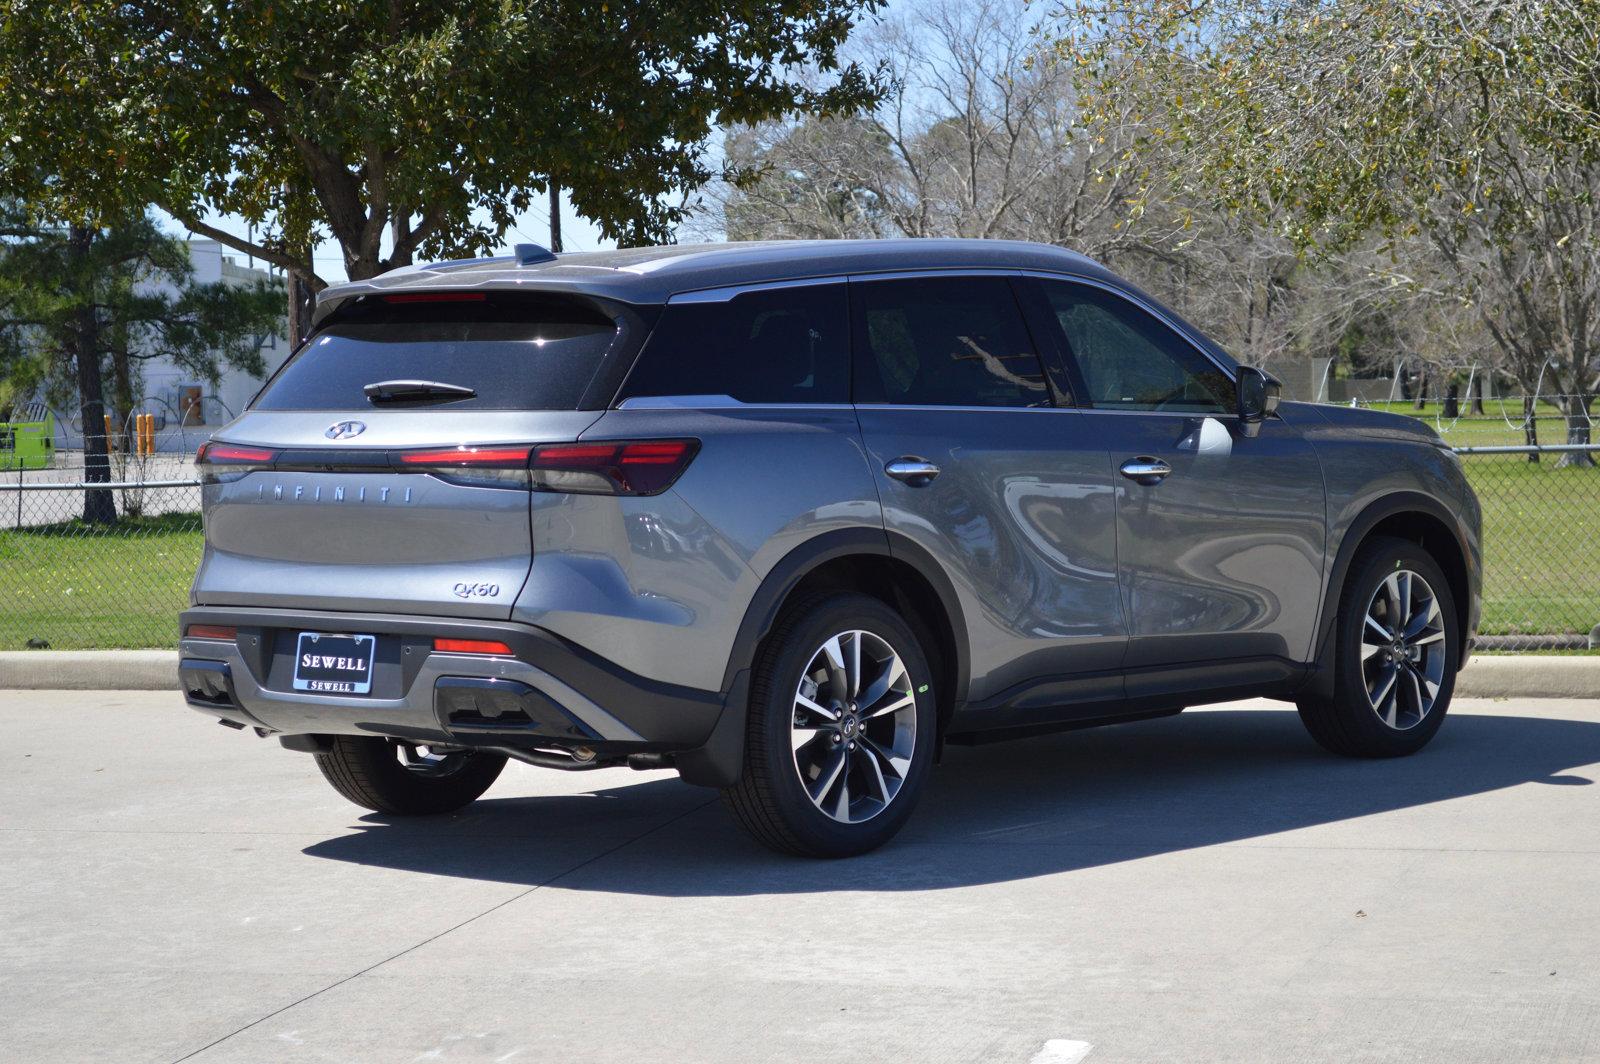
187,409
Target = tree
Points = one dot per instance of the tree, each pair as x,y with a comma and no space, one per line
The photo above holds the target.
77,301
306,118
1471,129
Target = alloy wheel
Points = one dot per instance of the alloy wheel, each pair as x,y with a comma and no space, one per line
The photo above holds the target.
1403,650
854,726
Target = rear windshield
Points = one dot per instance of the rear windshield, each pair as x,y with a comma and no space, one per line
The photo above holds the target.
517,351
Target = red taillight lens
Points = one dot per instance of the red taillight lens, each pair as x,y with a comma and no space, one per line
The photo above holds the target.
221,463
232,454
212,631
470,646
489,466
481,457
631,467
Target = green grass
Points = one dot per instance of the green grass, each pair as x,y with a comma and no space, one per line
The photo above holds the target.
78,587
1541,544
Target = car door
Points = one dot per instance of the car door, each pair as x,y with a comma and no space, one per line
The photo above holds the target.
1009,492
1220,533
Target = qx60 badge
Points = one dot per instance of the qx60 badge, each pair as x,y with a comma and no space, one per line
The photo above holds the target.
344,430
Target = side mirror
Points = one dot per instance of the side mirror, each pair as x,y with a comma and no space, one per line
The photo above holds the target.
1256,398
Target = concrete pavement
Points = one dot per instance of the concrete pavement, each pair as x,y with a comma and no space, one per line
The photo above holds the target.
1208,887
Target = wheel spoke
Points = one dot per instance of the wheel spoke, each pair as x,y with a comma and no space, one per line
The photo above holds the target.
838,674
1423,620
1369,649
1426,637
1391,589
1416,693
894,706
814,707
841,808
1390,674
897,765
875,773
800,735
874,692
829,777
855,665
1403,618
1376,626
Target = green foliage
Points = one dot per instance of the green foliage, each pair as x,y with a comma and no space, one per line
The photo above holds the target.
137,283
347,117
1470,128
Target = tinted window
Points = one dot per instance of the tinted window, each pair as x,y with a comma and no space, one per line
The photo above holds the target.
1130,360
517,351
781,345
944,342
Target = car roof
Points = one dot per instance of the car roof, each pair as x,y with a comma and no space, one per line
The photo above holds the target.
651,275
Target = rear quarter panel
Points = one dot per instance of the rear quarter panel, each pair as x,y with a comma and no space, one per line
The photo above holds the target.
659,585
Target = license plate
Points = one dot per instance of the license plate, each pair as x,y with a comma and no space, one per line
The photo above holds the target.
334,664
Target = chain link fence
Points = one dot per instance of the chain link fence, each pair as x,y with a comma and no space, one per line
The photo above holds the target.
69,584
65,583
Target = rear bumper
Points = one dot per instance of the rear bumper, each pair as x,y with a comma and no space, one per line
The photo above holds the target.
548,695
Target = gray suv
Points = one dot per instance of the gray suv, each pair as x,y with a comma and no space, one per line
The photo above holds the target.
789,518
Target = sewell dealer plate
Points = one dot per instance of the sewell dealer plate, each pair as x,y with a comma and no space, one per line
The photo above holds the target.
334,664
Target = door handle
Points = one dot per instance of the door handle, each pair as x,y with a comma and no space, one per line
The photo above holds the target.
911,470
1145,470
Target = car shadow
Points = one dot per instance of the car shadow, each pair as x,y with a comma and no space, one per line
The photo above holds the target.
995,813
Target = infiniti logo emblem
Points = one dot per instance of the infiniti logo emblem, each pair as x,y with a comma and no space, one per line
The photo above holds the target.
343,430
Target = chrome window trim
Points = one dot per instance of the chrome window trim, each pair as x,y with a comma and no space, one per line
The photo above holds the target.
972,409
715,402
728,293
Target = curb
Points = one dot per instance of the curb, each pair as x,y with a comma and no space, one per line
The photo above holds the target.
89,670
1530,676
1486,675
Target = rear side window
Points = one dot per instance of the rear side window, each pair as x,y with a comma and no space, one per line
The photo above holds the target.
777,345
515,350
957,341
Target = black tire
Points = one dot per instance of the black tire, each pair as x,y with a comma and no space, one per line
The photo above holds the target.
369,772
1347,723
769,801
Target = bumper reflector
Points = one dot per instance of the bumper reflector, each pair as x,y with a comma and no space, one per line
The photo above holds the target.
470,646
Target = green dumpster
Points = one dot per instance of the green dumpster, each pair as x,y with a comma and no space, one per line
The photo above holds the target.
28,438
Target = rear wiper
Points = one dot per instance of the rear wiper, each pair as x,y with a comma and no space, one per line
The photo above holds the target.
416,391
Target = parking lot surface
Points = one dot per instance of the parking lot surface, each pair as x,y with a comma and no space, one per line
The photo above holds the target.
1208,887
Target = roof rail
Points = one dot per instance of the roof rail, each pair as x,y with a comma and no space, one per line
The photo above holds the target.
529,254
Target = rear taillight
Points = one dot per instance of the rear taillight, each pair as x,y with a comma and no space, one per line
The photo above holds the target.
470,646
489,466
620,467
221,462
